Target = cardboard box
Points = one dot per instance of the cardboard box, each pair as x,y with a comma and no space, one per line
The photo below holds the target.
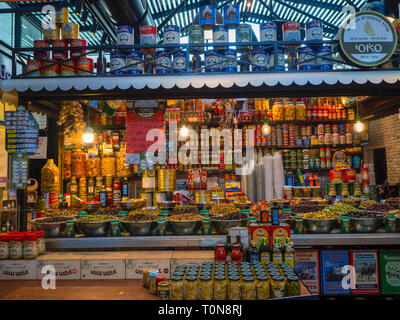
103,266
332,262
389,263
366,277
18,270
136,261
282,232
67,265
306,266
190,257
257,233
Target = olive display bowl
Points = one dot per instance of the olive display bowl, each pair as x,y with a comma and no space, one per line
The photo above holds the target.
184,227
243,205
94,228
166,205
51,229
203,205
365,225
139,228
131,205
319,225
223,226
394,203
91,206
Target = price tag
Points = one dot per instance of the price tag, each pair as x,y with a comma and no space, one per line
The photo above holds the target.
133,158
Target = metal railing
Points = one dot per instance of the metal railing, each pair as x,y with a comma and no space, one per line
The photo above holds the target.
301,60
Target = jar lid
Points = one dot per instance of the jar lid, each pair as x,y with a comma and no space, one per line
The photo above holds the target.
123,212
205,211
205,277
161,220
261,277
153,274
164,212
160,278
82,213
234,278
176,278
181,266
31,237
70,221
191,278
248,279
219,277
207,219
277,277
17,237
246,210
178,274
40,234
5,237
115,220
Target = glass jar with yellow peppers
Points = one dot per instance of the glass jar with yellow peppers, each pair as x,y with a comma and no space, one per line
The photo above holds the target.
123,168
177,288
277,111
93,166
277,287
290,111
108,166
206,287
220,287
262,287
248,288
301,111
292,286
234,288
78,164
191,288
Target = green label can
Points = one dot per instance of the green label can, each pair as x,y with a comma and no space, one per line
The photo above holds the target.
344,224
115,228
390,224
70,229
298,225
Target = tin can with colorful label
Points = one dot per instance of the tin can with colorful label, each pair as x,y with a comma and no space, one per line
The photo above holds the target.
244,33
212,61
75,53
148,36
280,65
230,64
231,15
52,69
196,35
67,68
60,54
125,35
135,66
179,63
314,30
117,61
43,53
163,62
259,60
268,31
33,67
324,64
69,31
84,66
291,31
171,34
306,58
62,16
220,35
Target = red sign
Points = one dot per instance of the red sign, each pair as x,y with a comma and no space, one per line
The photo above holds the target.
137,129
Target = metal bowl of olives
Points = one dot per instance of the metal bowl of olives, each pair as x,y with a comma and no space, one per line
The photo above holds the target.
91,206
94,228
243,205
365,225
223,226
203,205
54,229
183,228
166,205
393,203
139,228
132,204
319,225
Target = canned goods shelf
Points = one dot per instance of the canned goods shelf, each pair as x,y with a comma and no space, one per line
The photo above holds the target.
337,146
299,240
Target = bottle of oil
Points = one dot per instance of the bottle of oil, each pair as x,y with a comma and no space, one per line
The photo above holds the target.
289,252
265,253
276,251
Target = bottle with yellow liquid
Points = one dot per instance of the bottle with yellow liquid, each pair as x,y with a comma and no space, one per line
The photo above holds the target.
265,253
277,252
289,252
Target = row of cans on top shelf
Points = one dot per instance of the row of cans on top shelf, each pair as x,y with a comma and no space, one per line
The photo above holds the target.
75,50
59,67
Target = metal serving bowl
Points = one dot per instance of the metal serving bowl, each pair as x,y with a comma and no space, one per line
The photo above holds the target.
166,205
242,205
184,227
394,203
203,205
51,229
94,228
354,203
319,225
223,226
365,225
132,204
139,228
91,206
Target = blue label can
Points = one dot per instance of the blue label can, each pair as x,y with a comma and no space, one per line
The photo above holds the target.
212,61
280,65
117,61
324,64
305,58
220,35
171,34
133,59
163,62
314,31
179,63
230,64
125,35
268,31
231,15
259,60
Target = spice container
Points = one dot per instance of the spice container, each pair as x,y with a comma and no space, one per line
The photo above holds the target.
191,287
292,286
16,246
152,282
4,246
262,288
219,287
30,250
163,290
108,166
93,166
40,243
248,288
206,287
234,287
277,286
78,164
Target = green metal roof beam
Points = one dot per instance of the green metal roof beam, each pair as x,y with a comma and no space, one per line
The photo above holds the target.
351,3
175,11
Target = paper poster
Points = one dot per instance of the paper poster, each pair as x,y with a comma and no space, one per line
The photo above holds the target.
306,266
41,151
365,263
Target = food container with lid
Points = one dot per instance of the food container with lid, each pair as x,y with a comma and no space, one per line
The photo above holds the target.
152,282
108,167
4,246
16,246
206,287
30,249
78,164
93,166
220,286
191,287
176,287
41,244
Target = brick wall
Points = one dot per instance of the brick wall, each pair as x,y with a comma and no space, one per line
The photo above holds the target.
385,133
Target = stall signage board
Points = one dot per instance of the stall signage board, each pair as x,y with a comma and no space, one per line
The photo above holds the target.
365,263
332,263
22,131
389,265
136,132
367,39
19,173
306,266
146,108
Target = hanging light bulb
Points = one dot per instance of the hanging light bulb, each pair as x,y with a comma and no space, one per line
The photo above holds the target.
88,135
266,129
249,3
184,131
359,126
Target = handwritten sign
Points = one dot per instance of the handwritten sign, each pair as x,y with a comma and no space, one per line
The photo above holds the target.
136,133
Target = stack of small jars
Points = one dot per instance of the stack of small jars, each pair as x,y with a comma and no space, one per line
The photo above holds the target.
22,245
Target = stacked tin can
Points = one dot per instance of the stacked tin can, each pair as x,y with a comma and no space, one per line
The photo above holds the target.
166,179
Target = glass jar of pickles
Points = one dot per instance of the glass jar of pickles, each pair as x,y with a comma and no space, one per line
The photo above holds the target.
78,164
177,288
234,288
277,111
206,287
290,111
93,166
108,166
248,288
292,286
262,287
301,111
123,168
277,286
191,287
67,165
219,287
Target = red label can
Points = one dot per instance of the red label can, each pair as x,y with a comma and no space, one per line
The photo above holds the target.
68,68
63,54
33,67
42,54
148,36
84,66
51,68
75,53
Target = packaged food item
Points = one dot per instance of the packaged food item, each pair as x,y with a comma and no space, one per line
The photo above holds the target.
191,288
67,165
108,167
277,286
41,244
292,286
262,288
16,246
4,246
220,287
248,288
206,288
234,288
93,166
123,168
30,249
78,164
277,111
50,177
290,111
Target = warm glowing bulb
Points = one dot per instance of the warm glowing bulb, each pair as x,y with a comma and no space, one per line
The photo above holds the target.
88,135
184,131
249,3
359,126
266,129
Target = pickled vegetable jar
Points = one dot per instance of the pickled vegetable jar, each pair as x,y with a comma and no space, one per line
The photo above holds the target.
234,288
277,112
290,111
277,286
248,288
301,111
78,164
206,287
50,177
93,166
220,287
4,246
262,288
123,168
191,288
292,286
67,165
16,246
108,166
30,249
176,288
